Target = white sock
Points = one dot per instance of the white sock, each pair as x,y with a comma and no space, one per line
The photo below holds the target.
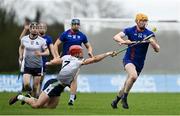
72,96
21,97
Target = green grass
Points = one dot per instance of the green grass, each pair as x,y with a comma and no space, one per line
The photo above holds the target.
99,104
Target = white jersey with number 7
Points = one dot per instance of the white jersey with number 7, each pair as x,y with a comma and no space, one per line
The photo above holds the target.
70,66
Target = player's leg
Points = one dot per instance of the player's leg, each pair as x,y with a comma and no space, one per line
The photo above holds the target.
26,82
48,98
132,76
37,73
33,102
73,89
53,102
118,97
121,92
43,76
54,90
36,86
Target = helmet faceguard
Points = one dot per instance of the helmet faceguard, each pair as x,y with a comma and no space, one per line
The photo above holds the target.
33,28
33,25
75,22
75,25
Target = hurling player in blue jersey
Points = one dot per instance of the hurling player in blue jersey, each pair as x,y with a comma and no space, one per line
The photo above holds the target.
135,56
68,38
42,32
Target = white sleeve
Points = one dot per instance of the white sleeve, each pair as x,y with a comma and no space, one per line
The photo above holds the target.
122,34
22,39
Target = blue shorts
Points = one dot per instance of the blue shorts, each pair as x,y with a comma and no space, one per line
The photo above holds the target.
139,66
52,88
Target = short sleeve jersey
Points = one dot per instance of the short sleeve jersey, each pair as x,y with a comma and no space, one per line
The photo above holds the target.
138,52
70,38
69,69
30,46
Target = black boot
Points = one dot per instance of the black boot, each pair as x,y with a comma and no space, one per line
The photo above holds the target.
115,102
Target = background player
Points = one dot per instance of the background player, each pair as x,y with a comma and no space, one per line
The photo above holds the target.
68,38
31,50
42,29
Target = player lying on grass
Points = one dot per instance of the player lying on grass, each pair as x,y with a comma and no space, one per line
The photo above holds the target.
49,97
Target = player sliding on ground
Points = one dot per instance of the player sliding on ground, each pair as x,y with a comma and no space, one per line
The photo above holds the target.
54,87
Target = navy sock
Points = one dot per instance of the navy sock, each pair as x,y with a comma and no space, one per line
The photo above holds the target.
125,96
117,99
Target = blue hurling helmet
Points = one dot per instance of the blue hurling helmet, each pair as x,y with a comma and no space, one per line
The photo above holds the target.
75,21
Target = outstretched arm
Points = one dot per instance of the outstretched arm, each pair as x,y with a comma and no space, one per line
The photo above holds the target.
55,61
97,58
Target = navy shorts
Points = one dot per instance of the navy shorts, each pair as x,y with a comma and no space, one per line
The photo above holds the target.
53,88
44,69
138,66
33,71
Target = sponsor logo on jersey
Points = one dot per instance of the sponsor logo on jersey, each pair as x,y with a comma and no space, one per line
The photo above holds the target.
69,35
74,36
37,43
144,36
140,35
32,42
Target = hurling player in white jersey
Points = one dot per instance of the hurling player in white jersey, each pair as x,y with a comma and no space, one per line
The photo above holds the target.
42,29
31,50
53,88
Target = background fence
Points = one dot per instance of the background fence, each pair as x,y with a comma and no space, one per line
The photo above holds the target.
105,83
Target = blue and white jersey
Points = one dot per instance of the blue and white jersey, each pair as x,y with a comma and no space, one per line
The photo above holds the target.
138,52
70,38
30,60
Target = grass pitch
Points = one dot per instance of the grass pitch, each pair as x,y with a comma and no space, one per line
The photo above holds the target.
99,104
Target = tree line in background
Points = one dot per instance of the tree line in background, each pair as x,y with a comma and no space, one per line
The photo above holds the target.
9,35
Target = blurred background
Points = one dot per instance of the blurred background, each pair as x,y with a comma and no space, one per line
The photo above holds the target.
100,20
